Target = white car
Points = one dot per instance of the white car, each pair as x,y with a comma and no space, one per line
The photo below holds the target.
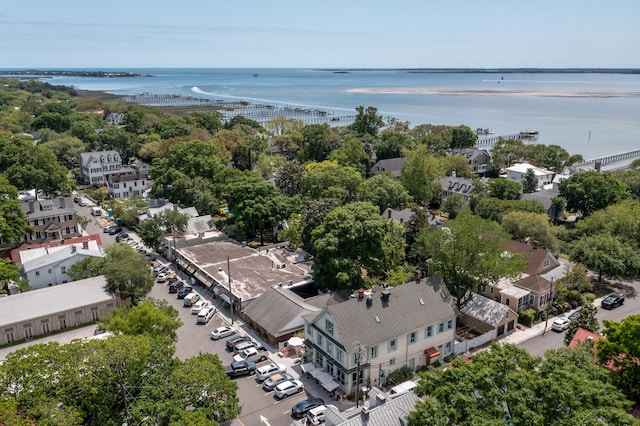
198,306
287,388
221,332
560,324
163,276
266,371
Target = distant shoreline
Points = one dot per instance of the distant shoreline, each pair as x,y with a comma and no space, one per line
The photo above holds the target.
488,92
490,70
62,73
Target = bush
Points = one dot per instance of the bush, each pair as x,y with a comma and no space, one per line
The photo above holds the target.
527,316
589,297
450,357
400,375
436,364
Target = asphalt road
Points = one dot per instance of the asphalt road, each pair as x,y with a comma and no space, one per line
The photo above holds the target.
551,339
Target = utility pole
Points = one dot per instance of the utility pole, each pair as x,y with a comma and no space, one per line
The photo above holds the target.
232,299
359,347
546,311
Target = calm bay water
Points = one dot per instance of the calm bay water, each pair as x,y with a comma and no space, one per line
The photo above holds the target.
587,113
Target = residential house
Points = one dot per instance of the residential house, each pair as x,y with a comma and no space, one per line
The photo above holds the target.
391,165
583,335
401,215
365,338
518,171
129,181
93,165
546,197
49,266
26,315
534,288
478,158
51,219
456,185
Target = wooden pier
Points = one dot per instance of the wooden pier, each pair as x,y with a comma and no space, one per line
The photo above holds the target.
184,105
614,158
528,135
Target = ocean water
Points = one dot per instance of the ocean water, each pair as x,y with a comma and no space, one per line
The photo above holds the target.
585,113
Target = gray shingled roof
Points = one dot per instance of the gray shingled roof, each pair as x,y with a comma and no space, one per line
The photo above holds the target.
484,309
356,322
279,311
51,300
392,412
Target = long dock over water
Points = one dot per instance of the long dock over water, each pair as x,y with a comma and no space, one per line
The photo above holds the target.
184,105
613,158
488,142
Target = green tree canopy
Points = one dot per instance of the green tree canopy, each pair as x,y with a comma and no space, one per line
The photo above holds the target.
385,190
507,386
352,242
494,208
590,191
150,317
468,253
13,221
391,144
529,182
586,320
606,253
128,276
419,173
86,268
367,121
504,189
331,180
621,350
526,225
289,178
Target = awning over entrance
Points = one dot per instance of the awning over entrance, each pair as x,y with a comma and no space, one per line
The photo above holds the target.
181,263
203,279
218,290
226,298
330,386
432,352
308,367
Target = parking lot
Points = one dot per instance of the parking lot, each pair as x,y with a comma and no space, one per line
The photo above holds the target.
258,406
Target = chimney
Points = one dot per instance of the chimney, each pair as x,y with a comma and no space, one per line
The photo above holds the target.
385,297
85,245
360,293
453,173
369,301
365,414
31,207
62,202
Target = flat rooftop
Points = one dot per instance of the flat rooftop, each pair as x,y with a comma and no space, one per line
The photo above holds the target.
253,271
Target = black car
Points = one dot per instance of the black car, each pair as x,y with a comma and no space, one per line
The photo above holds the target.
236,339
122,236
241,368
300,410
175,285
114,230
613,300
184,291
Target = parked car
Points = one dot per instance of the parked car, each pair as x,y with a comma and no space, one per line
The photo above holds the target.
163,276
237,369
290,387
106,229
301,408
121,236
190,299
268,370
198,306
560,324
160,269
317,415
574,315
184,291
613,300
255,354
231,343
114,230
205,315
77,199
221,332
271,382
175,285
241,346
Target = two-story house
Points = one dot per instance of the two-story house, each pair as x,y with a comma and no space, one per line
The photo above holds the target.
362,340
93,165
456,185
517,172
49,266
478,158
391,165
130,181
51,219
535,287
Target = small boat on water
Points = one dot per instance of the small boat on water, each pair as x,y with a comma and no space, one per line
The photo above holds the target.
530,134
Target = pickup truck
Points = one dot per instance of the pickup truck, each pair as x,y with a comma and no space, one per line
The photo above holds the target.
242,368
254,354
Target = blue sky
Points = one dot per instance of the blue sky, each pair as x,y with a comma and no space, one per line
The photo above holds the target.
321,33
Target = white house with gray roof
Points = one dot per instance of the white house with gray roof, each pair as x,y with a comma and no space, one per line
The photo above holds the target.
379,331
93,165
48,266
27,315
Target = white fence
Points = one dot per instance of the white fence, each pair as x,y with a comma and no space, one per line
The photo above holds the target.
462,346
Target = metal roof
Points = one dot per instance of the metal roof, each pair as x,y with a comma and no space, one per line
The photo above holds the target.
411,306
48,301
